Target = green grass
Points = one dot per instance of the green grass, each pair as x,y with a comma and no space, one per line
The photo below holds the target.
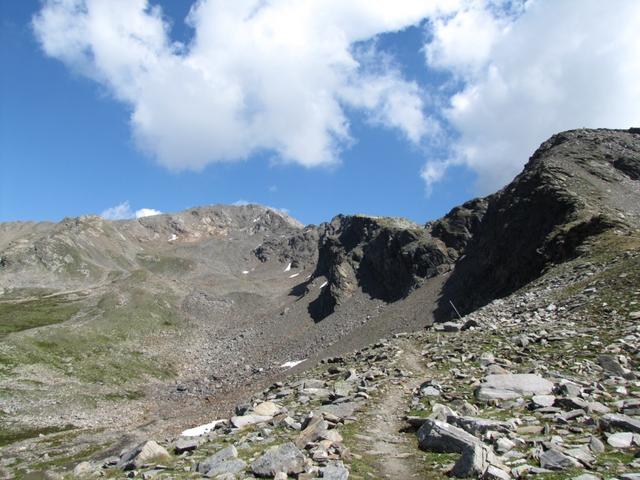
15,317
9,436
105,347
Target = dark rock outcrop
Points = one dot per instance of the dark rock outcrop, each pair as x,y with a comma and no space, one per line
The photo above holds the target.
385,257
576,185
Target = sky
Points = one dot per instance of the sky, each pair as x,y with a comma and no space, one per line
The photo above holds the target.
127,108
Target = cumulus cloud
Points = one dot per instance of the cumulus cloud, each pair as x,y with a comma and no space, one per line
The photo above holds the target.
147,212
123,211
531,69
281,76
258,76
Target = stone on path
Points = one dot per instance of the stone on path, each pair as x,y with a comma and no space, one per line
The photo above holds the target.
513,385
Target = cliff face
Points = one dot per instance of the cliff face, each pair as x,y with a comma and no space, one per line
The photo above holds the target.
578,184
385,257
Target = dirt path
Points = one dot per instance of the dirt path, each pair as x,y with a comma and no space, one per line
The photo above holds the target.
392,452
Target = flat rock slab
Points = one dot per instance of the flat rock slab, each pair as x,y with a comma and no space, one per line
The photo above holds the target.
556,460
621,440
437,436
510,386
245,420
623,422
341,410
478,426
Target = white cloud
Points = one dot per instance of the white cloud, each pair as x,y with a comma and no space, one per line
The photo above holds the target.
257,76
557,66
147,212
123,211
119,212
280,76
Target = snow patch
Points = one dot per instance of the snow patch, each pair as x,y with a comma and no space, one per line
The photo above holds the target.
173,237
245,272
294,275
288,267
292,363
201,430
324,284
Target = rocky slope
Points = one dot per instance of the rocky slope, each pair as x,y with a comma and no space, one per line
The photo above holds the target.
109,326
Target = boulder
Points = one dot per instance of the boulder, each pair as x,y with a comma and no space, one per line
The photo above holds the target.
437,436
266,409
510,386
245,420
474,461
225,461
334,471
315,429
621,440
186,444
554,459
144,454
612,421
279,458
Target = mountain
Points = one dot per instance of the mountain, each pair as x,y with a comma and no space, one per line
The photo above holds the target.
114,331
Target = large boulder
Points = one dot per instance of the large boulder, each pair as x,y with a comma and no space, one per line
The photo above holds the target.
225,461
285,458
437,436
510,386
144,454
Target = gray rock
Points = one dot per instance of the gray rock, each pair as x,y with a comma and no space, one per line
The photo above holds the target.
512,386
222,462
437,436
610,365
334,471
245,420
341,410
474,461
266,409
572,403
144,454
542,401
495,473
621,440
315,429
554,459
478,426
186,444
280,458
623,422
586,476
596,445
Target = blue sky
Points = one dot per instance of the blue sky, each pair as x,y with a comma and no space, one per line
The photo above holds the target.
68,144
